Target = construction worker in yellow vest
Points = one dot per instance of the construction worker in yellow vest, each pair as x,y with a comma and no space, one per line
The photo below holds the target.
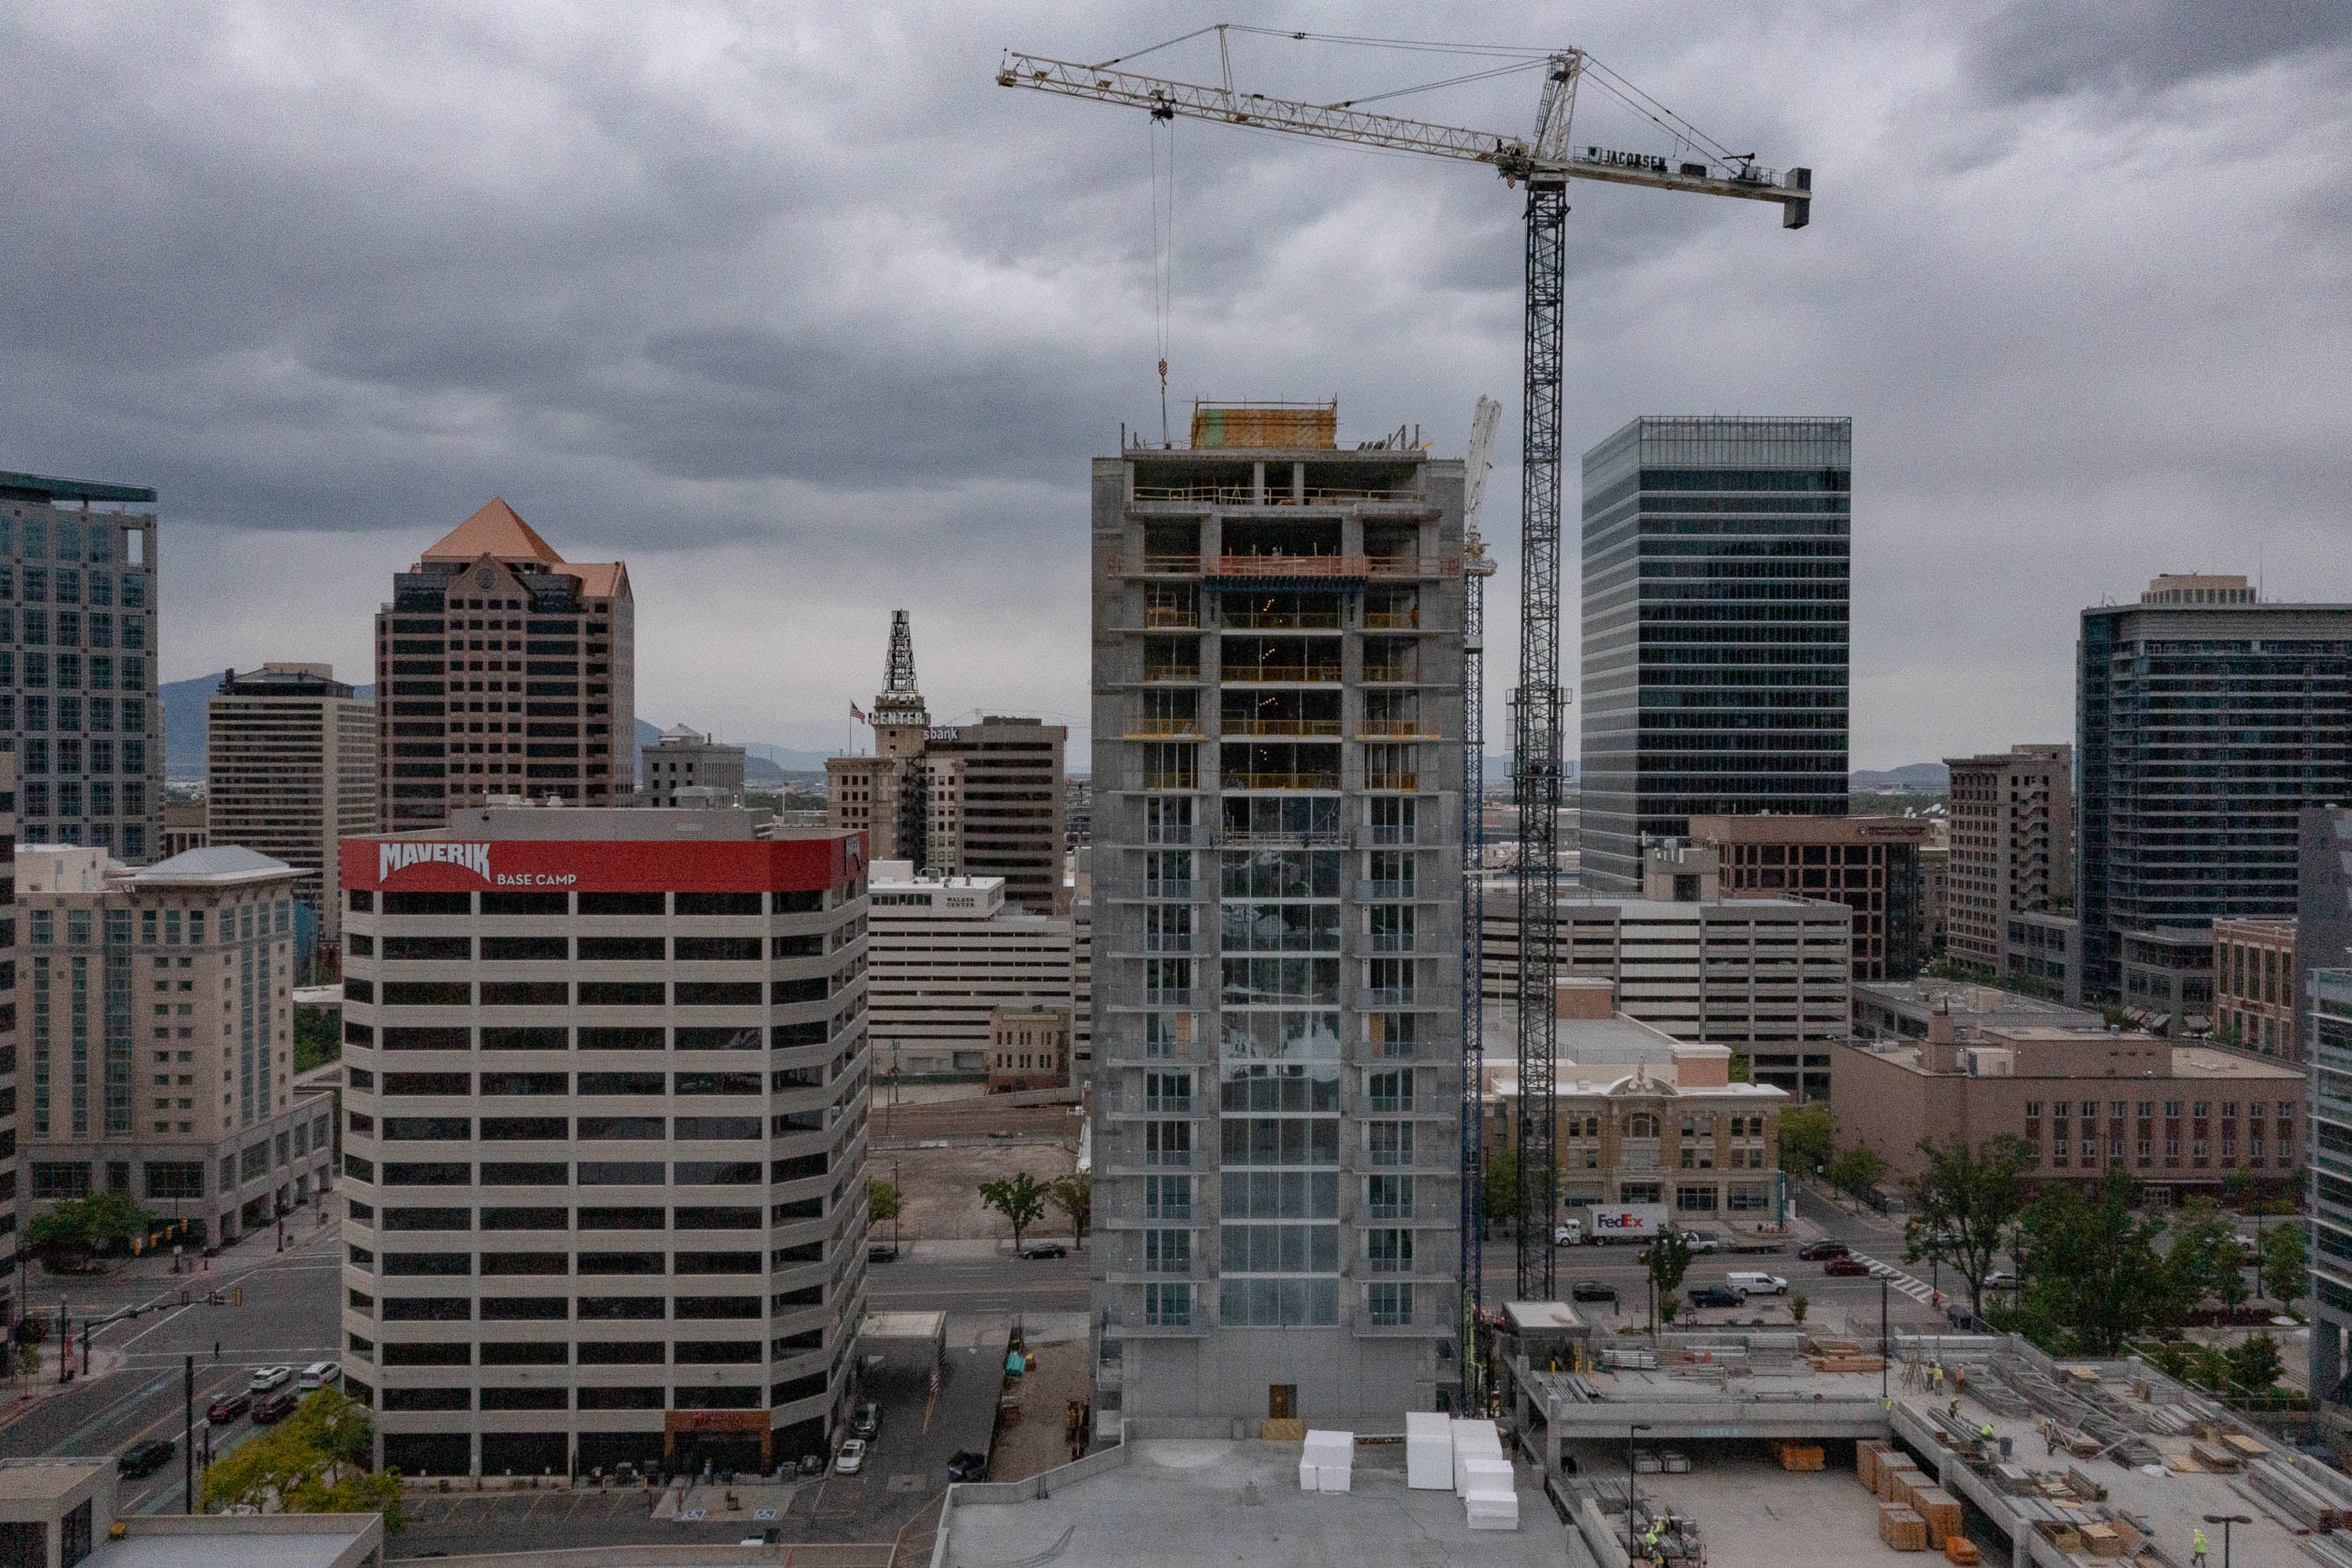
1986,1432
2197,1549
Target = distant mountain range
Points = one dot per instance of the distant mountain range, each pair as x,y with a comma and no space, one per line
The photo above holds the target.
185,730
1912,777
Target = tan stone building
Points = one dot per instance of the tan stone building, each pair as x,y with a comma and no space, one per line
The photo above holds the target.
2257,987
1028,1048
2012,833
289,771
162,1037
2175,1116
1646,1118
1870,864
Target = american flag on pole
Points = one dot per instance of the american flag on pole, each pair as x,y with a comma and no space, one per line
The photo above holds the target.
858,714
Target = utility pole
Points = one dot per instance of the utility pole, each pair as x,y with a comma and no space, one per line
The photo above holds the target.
188,1437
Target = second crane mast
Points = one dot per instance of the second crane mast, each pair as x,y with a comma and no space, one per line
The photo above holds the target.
1545,163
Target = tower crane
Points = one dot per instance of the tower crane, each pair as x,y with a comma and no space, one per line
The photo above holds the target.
1544,161
1477,566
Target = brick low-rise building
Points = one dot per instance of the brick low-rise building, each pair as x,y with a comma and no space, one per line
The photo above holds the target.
2176,1117
2257,987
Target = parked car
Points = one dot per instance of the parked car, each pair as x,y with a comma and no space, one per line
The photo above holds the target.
1842,1268
852,1458
144,1459
1698,1244
228,1407
866,1422
881,1252
967,1464
1816,1252
1717,1296
1045,1250
1592,1291
320,1374
272,1408
2000,1279
1750,1283
265,1378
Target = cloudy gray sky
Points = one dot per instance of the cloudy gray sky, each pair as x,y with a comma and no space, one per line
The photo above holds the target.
795,311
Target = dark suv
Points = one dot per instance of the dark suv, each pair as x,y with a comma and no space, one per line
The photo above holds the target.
1718,1296
144,1459
1816,1252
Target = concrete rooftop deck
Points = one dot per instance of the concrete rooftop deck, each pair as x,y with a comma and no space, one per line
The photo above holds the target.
1182,1500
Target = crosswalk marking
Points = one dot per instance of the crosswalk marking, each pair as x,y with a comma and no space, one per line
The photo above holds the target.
1918,1290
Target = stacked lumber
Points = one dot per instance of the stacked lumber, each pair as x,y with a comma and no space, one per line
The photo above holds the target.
1869,1458
1802,1457
1893,1479
1940,1509
1959,1549
1902,1529
2224,1460
2101,1541
1859,1361
1271,1430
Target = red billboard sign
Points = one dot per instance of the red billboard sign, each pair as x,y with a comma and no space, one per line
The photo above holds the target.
601,865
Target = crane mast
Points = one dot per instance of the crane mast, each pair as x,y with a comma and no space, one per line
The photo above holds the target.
1545,163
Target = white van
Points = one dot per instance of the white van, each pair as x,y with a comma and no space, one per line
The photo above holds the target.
1758,1284
320,1374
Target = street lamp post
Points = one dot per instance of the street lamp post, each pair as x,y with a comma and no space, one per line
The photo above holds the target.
1883,1344
1630,1484
2225,1520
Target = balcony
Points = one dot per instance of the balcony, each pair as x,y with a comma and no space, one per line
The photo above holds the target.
1386,1159
1179,836
1384,1266
1393,779
1387,996
1163,730
1383,943
1165,780
1386,892
1160,887
1394,729
1325,728
1158,673
1319,674
1172,942
1376,837
1170,618
1320,779
1175,998
1384,1104
1247,617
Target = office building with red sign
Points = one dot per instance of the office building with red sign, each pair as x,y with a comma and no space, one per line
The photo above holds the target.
607,1083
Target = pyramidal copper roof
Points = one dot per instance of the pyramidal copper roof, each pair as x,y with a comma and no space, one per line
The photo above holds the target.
497,532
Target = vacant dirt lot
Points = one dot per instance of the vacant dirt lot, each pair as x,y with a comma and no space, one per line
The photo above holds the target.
942,1187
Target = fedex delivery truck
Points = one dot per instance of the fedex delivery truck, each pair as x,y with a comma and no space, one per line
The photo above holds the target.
1625,1221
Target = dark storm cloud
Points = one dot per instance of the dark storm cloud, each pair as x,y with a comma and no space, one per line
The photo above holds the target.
2043,48
806,318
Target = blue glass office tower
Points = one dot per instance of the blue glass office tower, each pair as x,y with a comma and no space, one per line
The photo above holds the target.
1717,573
2205,723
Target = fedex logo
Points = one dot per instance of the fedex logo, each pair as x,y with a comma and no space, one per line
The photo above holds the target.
393,857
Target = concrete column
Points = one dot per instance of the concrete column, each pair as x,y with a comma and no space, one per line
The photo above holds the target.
1299,482
2326,1354
1257,484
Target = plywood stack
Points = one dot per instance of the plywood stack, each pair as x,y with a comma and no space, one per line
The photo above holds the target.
1428,1451
1895,1479
1902,1529
1941,1510
2101,1541
1283,1431
1800,1457
1870,1458
1328,1463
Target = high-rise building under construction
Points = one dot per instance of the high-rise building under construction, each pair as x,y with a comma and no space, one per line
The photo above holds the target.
1276,924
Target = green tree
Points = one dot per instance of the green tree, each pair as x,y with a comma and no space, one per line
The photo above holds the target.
1074,1195
1799,1305
2255,1364
318,1037
2238,1187
1965,1199
1856,1171
2091,1263
70,1233
2209,1367
884,1201
2229,1264
2202,1260
1501,1183
2286,1257
1020,1197
1667,1260
315,1461
1806,1141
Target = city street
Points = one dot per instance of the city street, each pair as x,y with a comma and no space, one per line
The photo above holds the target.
1007,1284
289,1318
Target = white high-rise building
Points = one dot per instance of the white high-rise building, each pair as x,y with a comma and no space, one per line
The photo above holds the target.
945,952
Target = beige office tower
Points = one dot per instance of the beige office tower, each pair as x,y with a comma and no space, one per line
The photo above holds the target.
503,669
606,1087
1277,925
2012,828
289,771
161,1037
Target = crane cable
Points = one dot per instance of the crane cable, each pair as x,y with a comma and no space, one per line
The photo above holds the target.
1163,248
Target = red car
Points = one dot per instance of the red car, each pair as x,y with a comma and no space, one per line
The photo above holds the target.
272,1408
1841,1267
228,1406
